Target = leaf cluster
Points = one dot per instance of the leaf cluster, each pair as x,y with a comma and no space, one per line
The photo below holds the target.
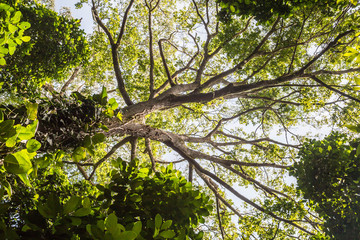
136,204
57,45
146,194
264,10
328,174
11,30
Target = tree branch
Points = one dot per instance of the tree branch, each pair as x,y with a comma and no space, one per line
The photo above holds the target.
115,56
109,154
69,81
333,89
123,24
151,155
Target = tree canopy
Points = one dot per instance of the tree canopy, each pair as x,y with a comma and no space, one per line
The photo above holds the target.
180,120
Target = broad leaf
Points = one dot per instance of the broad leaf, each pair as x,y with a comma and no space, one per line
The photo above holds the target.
32,145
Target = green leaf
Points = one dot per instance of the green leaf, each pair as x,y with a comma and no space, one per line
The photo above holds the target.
25,178
19,162
26,38
119,116
5,7
166,224
96,232
72,204
111,223
75,221
167,234
12,50
103,93
113,104
45,211
128,235
101,224
6,185
103,127
17,17
137,227
18,41
2,61
354,128
6,125
358,150
32,145
357,80
88,228
25,133
31,109
102,97
109,112
86,203
79,154
87,141
12,28
81,212
11,142
232,8
24,26
90,150
4,50
158,221
98,138
59,155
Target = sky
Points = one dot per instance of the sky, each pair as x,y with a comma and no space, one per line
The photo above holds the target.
84,13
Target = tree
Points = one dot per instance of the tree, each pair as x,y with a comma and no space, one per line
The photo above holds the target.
58,45
328,174
12,30
208,93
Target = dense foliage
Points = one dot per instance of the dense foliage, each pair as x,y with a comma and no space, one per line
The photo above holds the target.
136,203
12,30
265,10
328,174
58,44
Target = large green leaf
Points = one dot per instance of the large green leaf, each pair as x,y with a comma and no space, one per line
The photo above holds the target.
79,154
98,138
25,178
32,110
11,142
137,227
96,232
16,18
25,133
72,204
111,223
33,145
19,162
45,211
158,221
166,224
127,235
5,126
167,234
81,212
